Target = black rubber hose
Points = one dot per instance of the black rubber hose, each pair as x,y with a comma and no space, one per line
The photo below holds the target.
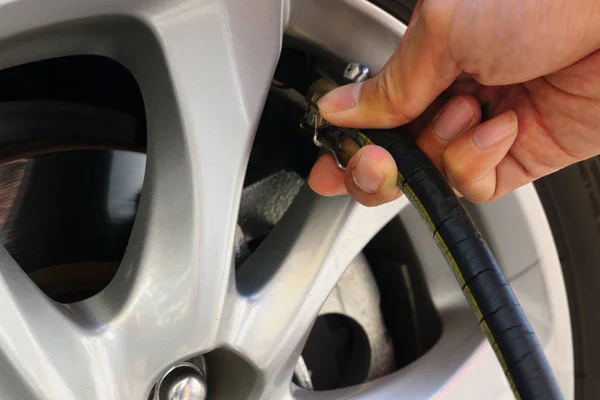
481,280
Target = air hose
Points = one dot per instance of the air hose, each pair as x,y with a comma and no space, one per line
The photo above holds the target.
482,282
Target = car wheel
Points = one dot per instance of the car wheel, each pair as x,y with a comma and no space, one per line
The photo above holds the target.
187,252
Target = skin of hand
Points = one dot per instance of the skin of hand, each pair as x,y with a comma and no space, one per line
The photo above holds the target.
498,92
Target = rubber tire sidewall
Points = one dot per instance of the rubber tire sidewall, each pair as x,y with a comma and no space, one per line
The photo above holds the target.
571,199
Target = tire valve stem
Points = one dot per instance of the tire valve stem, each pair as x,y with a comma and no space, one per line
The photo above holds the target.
326,136
355,72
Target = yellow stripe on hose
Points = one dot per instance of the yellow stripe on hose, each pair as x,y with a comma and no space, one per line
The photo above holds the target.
458,275
365,137
468,293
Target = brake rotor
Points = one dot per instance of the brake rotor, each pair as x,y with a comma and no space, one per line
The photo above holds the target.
67,197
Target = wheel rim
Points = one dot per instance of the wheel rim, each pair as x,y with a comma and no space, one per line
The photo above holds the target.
205,67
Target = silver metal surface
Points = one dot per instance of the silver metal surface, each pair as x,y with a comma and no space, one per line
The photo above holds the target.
188,388
302,374
176,294
356,72
184,381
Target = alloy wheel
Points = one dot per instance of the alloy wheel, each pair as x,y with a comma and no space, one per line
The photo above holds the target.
204,69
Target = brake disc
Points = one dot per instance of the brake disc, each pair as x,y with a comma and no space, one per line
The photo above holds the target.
68,199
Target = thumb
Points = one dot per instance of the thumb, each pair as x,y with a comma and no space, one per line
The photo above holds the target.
420,69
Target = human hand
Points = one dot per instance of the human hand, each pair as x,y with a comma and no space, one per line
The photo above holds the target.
539,116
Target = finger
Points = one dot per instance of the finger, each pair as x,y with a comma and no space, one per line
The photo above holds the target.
458,115
471,160
372,176
467,86
417,125
420,69
509,176
326,178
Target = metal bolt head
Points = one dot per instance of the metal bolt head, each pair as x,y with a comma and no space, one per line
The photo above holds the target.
184,381
355,72
187,388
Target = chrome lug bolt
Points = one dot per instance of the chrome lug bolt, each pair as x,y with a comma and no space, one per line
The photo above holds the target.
185,381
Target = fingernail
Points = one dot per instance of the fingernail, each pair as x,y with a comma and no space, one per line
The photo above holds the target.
456,117
340,99
365,172
495,130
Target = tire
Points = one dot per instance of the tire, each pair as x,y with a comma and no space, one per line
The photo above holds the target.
571,200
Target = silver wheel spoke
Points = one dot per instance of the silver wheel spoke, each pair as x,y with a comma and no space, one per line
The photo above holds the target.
181,251
285,282
204,81
42,354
